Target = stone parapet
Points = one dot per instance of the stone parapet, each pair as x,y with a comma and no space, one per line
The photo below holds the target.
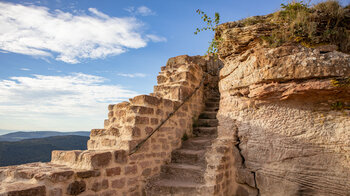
106,168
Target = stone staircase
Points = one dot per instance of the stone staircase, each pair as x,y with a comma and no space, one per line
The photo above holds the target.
184,175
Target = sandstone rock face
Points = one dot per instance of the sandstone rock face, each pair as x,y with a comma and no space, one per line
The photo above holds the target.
287,109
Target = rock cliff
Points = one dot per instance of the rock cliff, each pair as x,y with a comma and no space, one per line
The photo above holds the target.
287,109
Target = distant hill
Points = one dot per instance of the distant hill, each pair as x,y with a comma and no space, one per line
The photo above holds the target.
34,150
21,135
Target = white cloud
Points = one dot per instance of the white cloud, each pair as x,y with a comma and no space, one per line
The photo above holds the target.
134,75
25,69
156,38
55,102
142,10
37,31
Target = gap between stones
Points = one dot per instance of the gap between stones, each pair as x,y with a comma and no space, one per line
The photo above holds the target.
238,142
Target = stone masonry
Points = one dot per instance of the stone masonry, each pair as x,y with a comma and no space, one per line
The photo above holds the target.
106,168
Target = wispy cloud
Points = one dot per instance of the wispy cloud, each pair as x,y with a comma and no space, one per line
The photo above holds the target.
40,97
156,38
24,69
133,75
38,31
142,10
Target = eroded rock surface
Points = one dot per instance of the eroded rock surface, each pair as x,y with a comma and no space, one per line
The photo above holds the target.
287,112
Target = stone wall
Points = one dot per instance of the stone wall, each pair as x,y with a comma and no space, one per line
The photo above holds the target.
287,111
106,168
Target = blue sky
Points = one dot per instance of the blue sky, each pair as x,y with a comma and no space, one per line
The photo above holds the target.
62,62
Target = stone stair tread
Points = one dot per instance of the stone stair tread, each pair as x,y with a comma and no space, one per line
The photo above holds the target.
176,183
185,166
205,127
210,112
213,99
200,139
209,132
190,151
207,122
210,109
208,115
208,119
197,143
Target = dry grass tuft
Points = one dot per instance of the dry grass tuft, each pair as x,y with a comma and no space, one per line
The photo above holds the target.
324,23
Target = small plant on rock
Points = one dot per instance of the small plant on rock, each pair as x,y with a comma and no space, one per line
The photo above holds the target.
211,24
184,137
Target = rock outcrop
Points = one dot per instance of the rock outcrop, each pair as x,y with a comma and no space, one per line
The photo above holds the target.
287,108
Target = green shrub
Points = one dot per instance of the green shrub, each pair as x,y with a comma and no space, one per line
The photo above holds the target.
323,23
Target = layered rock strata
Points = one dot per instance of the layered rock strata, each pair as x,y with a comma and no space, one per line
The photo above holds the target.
287,109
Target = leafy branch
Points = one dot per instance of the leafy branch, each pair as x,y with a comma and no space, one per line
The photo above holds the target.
211,24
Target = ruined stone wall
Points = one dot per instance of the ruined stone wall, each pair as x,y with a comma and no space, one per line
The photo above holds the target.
287,110
106,168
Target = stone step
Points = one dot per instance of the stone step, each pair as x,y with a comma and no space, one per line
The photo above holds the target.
212,104
205,131
208,115
197,143
214,99
172,187
211,109
181,171
207,122
22,189
194,157
36,171
86,159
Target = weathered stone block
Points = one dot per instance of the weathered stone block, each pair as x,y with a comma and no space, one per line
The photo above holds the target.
141,120
145,100
130,170
56,192
142,110
168,103
159,112
27,190
120,156
154,121
59,176
88,174
148,130
146,172
145,164
98,186
119,183
132,181
65,157
97,132
109,193
110,114
113,171
121,105
137,156
111,106
76,187
161,79
136,132
101,159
